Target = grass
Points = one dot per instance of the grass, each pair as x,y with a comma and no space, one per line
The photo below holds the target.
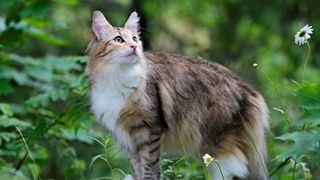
28,153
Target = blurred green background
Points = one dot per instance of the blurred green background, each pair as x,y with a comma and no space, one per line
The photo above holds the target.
47,130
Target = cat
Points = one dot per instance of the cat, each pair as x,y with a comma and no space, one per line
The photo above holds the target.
155,101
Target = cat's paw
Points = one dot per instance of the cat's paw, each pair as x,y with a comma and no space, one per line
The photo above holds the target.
128,177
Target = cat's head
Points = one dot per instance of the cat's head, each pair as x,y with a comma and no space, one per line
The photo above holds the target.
115,44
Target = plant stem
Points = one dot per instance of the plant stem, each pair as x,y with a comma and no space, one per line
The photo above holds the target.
219,167
21,162
177,162
277,91
28,152
206,174
306,61
280,166
294,169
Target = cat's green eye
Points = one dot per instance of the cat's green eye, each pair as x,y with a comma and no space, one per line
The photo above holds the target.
134,38
119,39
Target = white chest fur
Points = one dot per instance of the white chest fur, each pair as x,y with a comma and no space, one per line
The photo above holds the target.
109,97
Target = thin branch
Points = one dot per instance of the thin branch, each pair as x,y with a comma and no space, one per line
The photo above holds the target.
21,162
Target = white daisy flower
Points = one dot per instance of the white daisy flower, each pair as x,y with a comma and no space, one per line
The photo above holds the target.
207,159
303,35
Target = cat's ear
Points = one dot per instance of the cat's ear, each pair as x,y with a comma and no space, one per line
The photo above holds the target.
100,25
133,22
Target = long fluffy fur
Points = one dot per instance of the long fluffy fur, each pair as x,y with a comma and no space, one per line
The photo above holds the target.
181,103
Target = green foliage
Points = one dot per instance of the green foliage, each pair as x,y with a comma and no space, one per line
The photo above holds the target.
303,143
44,108
305,137
185,167
48,132
108,157
309,96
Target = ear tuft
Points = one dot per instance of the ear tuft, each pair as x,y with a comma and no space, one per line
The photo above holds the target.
100,25
133,22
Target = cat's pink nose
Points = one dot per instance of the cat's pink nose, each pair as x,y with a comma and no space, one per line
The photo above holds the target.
133,47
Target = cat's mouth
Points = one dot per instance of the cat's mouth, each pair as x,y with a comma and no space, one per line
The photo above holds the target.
133,53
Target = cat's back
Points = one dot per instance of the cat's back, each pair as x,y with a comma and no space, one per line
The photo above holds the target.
170,59
172,67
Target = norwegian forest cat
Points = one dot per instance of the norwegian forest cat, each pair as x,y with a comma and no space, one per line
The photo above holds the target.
154,101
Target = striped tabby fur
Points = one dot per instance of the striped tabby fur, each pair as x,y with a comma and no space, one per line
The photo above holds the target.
155,101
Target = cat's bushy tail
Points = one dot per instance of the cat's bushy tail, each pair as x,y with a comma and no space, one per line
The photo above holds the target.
258,152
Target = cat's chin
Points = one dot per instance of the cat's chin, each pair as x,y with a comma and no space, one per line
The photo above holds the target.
132,54
128,60
134,57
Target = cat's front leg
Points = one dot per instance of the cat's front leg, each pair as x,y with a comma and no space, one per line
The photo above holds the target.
136,164
150,152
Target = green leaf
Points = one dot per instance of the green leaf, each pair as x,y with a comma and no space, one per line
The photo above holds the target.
64,63
98,141
39,100
24,60
40,23
7,4
6,87
36,10
11,73
59,94
309,96
303,142
12,174
7,136
43,35
80,135
39,72
44,99
46,112
6,109
94,159
68,2
6,121
11,37
311,117
78,164
2,162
